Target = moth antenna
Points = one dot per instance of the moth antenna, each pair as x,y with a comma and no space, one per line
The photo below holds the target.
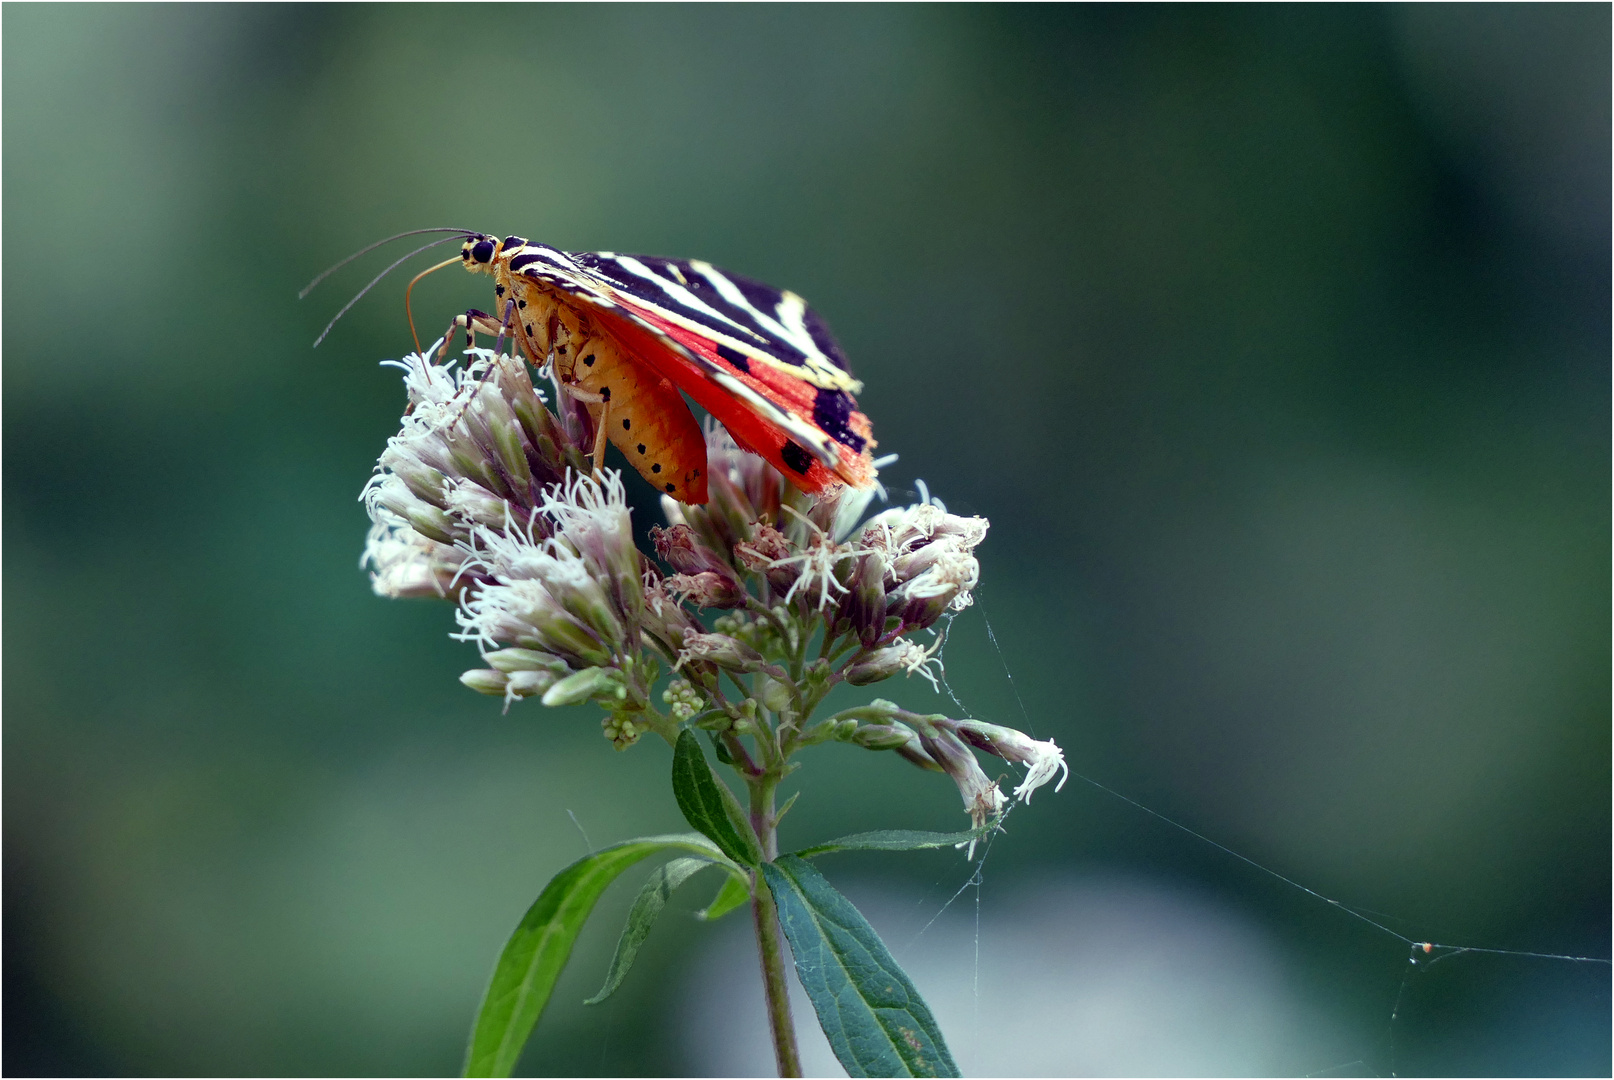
366,250
410,315
374,281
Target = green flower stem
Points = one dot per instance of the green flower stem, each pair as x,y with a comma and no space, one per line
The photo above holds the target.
765,914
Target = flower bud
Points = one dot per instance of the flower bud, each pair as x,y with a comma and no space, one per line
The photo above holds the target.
945,584
530,683
486,681
772,693
471,501
982,799
681,549
406,564
708,590
423,481
883,736
763,553
1041,759
722,650
513,660
593,517
582,685
864,604
879,665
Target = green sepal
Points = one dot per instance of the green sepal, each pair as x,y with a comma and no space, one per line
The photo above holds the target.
722,752
536,953
870,1011
709,805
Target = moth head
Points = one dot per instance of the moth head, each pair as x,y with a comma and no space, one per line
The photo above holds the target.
478,253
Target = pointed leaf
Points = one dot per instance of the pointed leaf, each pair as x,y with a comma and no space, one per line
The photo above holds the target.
535,954
896,840
873,1016
709,805
642,916
735,891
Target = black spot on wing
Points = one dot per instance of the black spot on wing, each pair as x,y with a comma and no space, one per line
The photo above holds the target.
831,411
735,357
793,455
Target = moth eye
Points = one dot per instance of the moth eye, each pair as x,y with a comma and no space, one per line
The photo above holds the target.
482,251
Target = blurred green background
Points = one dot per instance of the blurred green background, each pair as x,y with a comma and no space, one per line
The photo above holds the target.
1274,341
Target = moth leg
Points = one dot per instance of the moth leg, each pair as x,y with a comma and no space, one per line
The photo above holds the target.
472,322
598,456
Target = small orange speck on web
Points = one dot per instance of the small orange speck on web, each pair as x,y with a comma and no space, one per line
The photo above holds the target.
1427,947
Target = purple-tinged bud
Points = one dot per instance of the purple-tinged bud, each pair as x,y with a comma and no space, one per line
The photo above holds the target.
722,650
982,799
1041,759
703,576
763,553
680,548
708,590
944,585
905,656
665,620
864,604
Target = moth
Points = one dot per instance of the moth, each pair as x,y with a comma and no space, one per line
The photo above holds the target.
626,333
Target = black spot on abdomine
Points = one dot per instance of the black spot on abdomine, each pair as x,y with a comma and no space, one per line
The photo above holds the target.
626,423
605,392
521,303
641,448
528,328
672,487
656,467
794,456
498,290
588,361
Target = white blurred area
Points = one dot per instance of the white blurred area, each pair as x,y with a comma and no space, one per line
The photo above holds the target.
1086,975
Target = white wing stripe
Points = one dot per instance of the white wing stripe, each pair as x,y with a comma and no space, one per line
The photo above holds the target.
796,336
678,292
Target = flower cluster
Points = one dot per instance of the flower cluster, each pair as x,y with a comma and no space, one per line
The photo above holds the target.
484,498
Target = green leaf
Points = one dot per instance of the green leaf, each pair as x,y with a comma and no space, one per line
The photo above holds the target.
736,890
874,1018
642,916
709,805
535,954
895,840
